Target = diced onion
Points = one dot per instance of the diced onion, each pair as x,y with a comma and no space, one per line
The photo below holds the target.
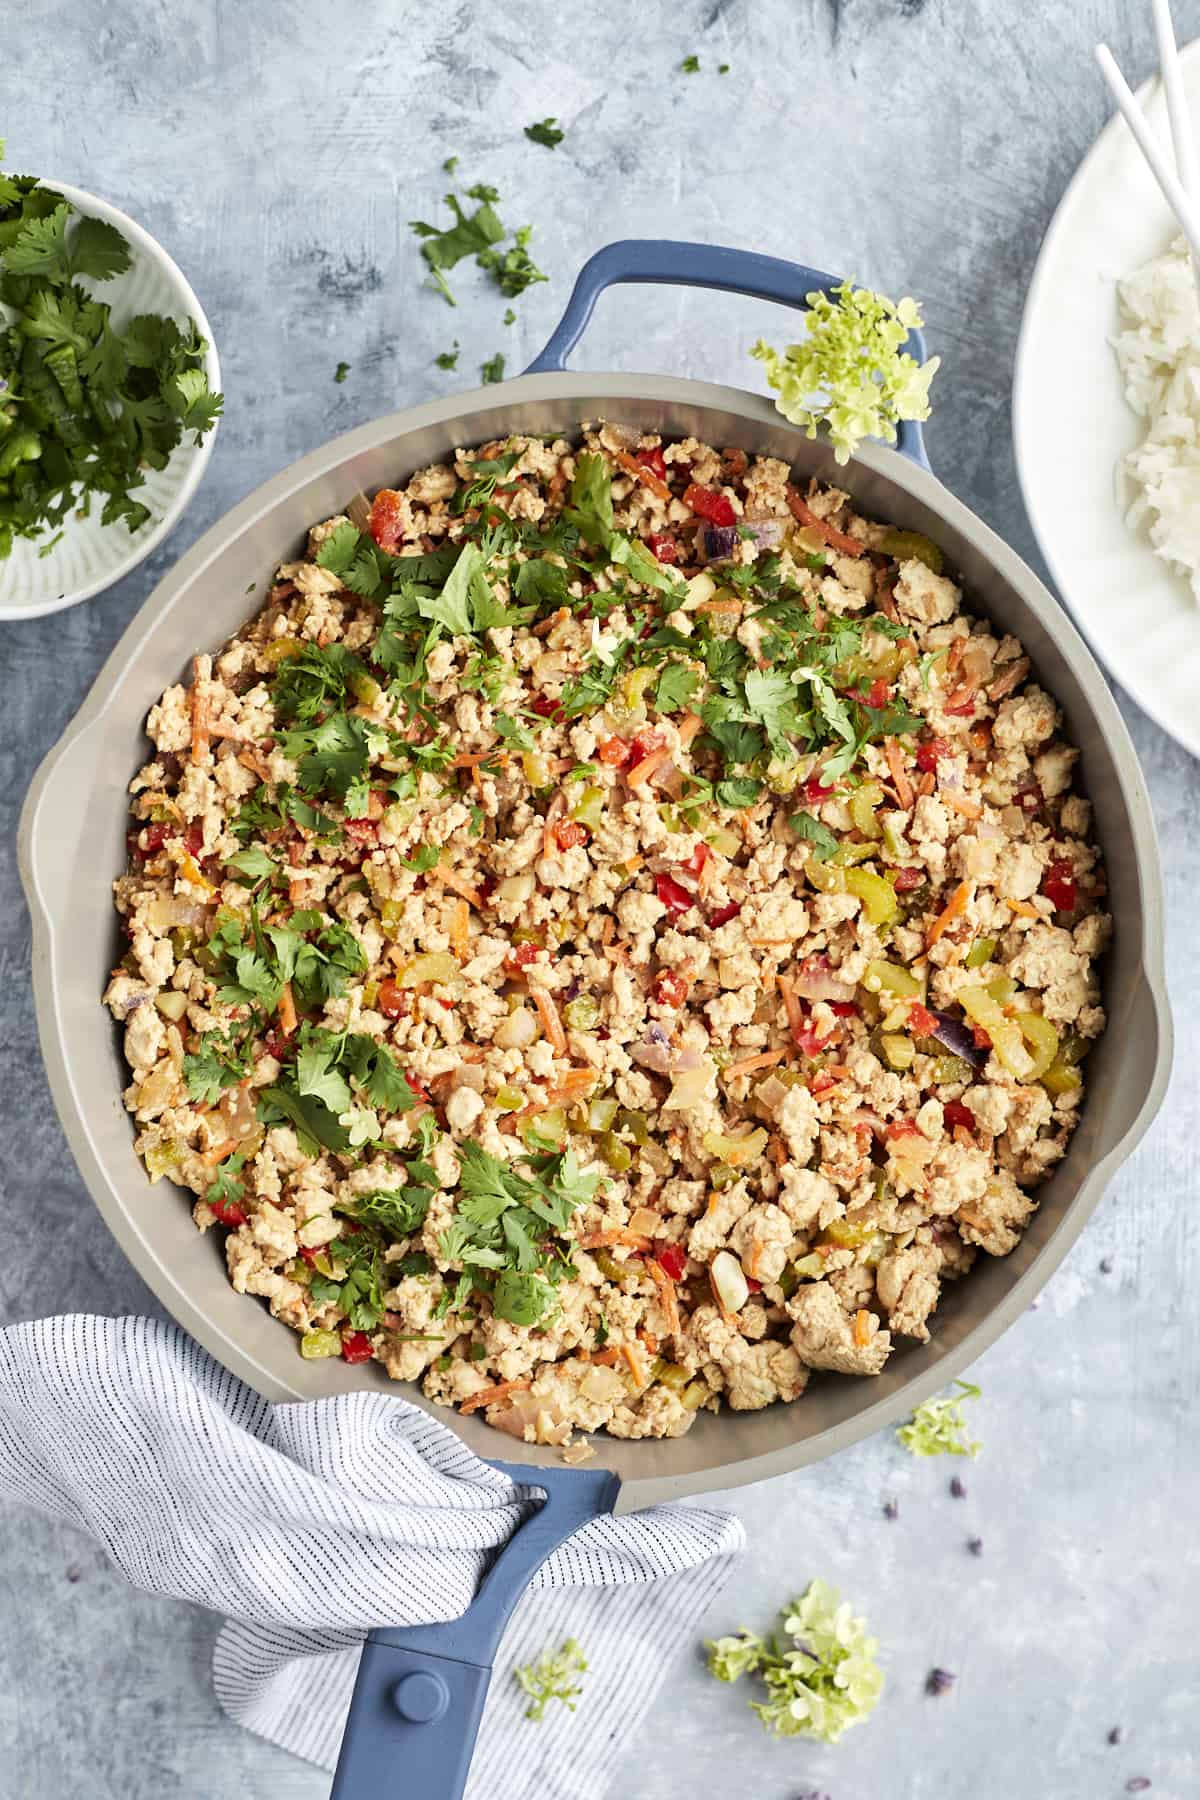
520,1028
690,1087
517,889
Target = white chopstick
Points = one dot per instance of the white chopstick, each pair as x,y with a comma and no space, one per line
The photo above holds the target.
1185,210
1177,107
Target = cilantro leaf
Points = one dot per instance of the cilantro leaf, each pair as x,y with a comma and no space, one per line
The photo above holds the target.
737,792
676,686
315,1076
493,369
444,249
98,249
544,131
41,247
813,832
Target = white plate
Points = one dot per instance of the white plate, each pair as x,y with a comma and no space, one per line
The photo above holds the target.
92,556
1071,423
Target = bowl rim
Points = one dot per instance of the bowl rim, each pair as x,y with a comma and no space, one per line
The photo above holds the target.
199,454
585,391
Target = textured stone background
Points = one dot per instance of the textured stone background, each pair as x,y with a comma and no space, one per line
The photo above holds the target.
278,149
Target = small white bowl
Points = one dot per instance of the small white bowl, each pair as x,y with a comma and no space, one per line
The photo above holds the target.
92,556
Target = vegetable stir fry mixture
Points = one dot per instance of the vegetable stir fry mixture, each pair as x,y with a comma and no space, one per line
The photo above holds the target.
610,935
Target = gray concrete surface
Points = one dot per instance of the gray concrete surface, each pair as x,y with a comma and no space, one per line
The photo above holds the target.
278,150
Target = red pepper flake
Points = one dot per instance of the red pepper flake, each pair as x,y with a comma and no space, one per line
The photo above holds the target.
310,1252
695,863
955,1113
613,752
664,546
672,1259
276,1044
675,898
672,988
155,837
707,504
1058,885
570,833
386,521
907,879
392,1000
655,461
521,955
356,1347
754,1286
228,1212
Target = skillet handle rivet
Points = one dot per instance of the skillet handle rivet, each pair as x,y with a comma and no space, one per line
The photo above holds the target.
421,1697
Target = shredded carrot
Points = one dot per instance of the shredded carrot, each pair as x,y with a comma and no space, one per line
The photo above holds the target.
962,803
766,1059
573,1086
459,883
616,1234
641,772
470,759
199,715
605,1358
221,1151
895,763
794,1014
646,476
637,1368
777,1150
966,690
295,882
754,1260
633,862
689,725
708,874
489,1396
1023,907
287,1010
954,909
460,930
547,625
927,783
648,1338
552,1025
250,759
955,654
666,1294
862,1328
837,540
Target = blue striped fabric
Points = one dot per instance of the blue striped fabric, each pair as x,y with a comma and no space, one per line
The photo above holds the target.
308,1524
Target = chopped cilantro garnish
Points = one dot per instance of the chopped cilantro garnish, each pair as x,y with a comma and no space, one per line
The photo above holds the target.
448,359
341,372
86,407
812,831
544,131
493,368
690,65
450,164
510,317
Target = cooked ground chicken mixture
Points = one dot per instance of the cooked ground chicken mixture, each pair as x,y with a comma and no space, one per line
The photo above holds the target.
611,935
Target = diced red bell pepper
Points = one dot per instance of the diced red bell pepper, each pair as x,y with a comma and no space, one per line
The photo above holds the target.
929,753
844,1009
982,1040
1058,885
879,695
356,1347
814,790
663,546
521,955
155,836
654,460
310,1252
228,1212
386,521
921,1020
907,879
955,1113
707,504
721,915
676,899
754,1286
570,833
418,1088
392,1000
193,840
672,1258
696,861
613,752
363,831
964,708
672,988
546,706
822,1081
645,744
901,1128
276,1044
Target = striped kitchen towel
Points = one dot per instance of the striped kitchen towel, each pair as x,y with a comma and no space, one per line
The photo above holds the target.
308,1524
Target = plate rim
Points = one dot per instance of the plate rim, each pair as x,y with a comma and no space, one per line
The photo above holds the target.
1138,689
92,205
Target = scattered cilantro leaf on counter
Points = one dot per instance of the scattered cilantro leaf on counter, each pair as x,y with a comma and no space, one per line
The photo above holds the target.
544,131
722,68
819,1669
341,372
448,359
493,369
690,65
450,164
554,1676
510,317
468,236
938,1428
514,268
85,409
850,373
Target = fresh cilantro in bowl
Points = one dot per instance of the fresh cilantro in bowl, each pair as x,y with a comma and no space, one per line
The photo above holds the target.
86,407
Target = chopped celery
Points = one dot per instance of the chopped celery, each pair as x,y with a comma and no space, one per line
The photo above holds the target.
279,649
695,1394
549,1127
601,1113
948,1069
617,1155
826,877
907,546
737,1150
892,978
610,1268
320,1343
1061,1077
581,1013
509,1099
366,689
848,853
391,912
436,966
1002,988
877,895
172,1005
589,808
163,1159
864,803
898,1051
671,1375
810,1267
1041,1040
982,1007
635,1124
537,768
981,952
847,1234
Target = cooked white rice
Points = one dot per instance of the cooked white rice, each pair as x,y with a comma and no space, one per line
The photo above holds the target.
1158,351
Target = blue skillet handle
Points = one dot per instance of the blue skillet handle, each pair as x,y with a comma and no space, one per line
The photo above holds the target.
700,265
420,1690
